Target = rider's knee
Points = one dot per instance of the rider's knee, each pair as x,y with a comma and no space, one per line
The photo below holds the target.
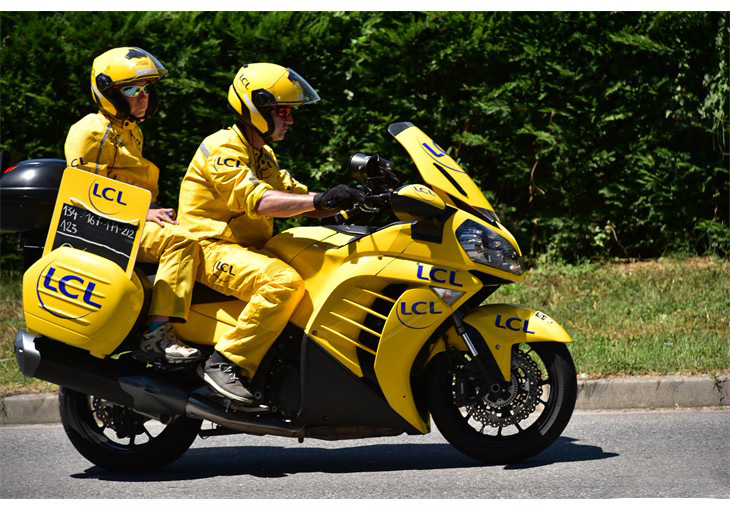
290,280
180,239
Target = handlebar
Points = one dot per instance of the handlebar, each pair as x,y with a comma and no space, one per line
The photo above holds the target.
373,203
377,182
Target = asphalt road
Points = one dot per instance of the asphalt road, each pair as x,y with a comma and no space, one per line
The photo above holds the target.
678,454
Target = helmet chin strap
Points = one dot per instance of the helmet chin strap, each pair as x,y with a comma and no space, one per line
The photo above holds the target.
255,137
123,116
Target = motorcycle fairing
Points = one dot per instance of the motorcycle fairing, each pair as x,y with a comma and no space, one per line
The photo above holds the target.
449,253
415,316
209,321
377,335
290,243
437,168
333,396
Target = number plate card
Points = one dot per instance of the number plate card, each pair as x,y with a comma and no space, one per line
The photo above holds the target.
99,215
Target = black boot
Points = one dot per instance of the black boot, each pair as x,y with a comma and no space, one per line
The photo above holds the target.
223,376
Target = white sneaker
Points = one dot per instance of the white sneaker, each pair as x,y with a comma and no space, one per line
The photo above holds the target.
163,343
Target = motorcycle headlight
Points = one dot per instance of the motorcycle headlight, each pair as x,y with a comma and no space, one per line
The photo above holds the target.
486,247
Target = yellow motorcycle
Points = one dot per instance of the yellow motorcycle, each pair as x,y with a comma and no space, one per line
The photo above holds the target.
391,332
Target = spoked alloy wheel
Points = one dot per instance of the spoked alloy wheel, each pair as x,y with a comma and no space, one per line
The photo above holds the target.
505,422
117,438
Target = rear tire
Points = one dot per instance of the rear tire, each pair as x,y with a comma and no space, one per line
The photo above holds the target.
533,419
116,438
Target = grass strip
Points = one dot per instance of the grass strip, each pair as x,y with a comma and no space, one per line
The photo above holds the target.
668,316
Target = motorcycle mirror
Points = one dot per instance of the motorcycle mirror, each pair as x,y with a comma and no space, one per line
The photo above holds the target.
358,166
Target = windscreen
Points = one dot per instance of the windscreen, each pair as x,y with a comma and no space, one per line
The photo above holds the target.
437,168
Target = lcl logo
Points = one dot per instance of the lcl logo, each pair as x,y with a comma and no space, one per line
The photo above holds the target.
231,162
438,152
106,199
418,314
62,286
419,308
424,190
108,194
434,275
225,267
514,324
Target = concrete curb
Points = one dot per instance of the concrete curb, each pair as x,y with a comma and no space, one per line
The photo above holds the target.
653,392
27,409
626,393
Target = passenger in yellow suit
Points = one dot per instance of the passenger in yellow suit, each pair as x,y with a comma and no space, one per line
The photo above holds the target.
229,197
109,143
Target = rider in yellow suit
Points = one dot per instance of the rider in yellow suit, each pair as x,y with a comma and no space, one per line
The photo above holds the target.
229,197
109,143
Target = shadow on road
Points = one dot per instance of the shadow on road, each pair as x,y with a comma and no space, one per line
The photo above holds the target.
277,462
564,449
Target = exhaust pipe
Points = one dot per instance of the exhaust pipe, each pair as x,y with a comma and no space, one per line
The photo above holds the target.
199,408
129,384
150,393
119,381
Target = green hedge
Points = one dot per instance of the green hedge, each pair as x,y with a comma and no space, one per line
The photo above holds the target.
593,134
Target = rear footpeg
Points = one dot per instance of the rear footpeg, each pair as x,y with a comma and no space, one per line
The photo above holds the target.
243,408
230,405
160,363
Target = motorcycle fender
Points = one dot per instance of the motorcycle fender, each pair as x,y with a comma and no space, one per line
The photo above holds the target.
501,326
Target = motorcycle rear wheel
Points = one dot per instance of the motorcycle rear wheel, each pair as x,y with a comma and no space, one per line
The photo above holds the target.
524,420
91,425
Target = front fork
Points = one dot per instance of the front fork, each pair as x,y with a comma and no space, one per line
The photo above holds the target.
480,353
477,374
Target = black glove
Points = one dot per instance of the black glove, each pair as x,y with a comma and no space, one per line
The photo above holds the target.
339,197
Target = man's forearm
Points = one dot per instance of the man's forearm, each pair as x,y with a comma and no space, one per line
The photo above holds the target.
320,214
278,204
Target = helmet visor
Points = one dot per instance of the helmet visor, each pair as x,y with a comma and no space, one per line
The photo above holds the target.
305,92
142,65
158,69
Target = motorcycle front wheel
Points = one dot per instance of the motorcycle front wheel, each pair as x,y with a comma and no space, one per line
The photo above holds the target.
508,422
117,438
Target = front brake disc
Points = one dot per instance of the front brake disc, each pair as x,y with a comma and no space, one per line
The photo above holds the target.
515,403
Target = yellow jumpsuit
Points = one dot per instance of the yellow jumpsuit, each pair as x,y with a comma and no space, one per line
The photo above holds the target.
218,197
112,148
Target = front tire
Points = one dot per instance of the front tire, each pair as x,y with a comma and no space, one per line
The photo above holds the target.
512,424
116,438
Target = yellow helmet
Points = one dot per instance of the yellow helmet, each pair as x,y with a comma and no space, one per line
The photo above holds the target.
258,88
117,67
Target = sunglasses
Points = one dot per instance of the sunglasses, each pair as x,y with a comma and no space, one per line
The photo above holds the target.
135,90
283,111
